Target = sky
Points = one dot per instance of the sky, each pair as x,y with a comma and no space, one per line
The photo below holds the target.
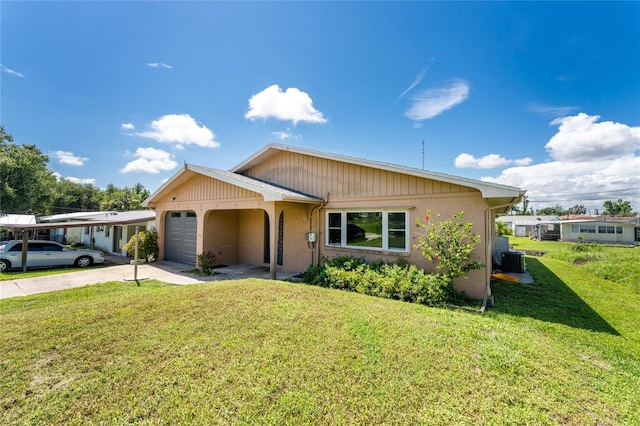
544,96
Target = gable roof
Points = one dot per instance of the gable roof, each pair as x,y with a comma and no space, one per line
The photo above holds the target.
269,191
488,189
499,197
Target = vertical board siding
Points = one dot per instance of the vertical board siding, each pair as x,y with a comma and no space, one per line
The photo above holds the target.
205,188
319,176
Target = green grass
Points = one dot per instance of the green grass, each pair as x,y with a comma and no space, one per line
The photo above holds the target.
616,263
16,275
563,351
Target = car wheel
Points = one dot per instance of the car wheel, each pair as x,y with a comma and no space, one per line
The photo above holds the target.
84,261
4,265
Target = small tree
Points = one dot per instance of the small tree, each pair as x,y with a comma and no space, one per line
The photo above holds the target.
147,245
449,245
502,229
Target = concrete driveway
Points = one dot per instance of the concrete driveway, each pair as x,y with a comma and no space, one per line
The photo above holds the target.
169,272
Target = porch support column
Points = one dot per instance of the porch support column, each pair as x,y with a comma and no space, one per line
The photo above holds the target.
489,247
160,231
199,232
273,212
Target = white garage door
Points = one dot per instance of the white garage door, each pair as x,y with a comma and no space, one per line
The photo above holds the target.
180,237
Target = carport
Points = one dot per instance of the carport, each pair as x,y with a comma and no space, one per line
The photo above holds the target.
25,228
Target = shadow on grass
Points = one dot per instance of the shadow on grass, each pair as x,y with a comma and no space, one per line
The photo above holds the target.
549,299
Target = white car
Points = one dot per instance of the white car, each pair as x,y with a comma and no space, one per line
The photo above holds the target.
42,254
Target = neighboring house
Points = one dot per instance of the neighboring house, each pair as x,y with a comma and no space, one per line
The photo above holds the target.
107,231
542,227
287,207
602,229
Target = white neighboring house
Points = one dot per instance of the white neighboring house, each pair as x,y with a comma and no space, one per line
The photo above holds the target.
602,229
106,231
544,227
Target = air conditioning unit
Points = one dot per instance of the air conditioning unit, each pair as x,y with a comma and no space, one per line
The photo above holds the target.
513,261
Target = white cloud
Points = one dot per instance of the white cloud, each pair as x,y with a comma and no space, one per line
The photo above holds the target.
590,162
66,157
12,72
150,160
57,175
433,102
552,111
287,134
292,105
490,161
159,65
416,81
81,181
180,129
581,138
523,161
282,135
127,126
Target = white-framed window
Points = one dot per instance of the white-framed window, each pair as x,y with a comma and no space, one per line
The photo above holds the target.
370,229
575,229
589,229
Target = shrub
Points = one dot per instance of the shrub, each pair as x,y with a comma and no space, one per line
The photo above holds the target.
207,261
147,245
449,245
398,280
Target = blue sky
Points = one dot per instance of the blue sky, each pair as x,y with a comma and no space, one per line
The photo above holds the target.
544,96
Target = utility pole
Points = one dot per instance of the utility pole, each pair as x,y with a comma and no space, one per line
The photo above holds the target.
422,154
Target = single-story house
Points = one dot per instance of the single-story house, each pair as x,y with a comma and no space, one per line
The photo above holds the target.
543,227
602,229
107,231
287,207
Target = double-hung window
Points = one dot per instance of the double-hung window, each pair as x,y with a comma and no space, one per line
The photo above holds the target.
368,229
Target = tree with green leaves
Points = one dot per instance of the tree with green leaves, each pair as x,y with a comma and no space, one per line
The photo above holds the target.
618,208
26,185
557,210
502,229
74,197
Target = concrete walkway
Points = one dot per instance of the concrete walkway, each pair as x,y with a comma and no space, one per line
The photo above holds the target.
169,272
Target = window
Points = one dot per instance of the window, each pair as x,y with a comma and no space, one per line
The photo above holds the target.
618,229
367,229
107,231
607,229
590,229
575,229
51,247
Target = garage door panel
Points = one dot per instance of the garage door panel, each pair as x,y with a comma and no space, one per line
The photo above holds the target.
180,237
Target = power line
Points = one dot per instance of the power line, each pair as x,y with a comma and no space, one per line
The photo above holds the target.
589,193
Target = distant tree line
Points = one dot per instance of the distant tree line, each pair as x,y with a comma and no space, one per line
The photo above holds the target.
618,208
27,186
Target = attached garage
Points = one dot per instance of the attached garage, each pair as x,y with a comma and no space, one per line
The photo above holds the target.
180,237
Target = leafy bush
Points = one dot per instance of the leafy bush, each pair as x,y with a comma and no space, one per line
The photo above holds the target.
207,261
147,245
582,246
398,280
449,245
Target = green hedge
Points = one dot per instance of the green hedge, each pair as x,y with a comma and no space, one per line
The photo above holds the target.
397,280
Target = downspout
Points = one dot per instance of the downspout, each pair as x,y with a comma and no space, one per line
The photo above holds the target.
319,207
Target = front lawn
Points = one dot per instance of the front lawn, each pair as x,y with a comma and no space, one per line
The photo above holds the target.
563,351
